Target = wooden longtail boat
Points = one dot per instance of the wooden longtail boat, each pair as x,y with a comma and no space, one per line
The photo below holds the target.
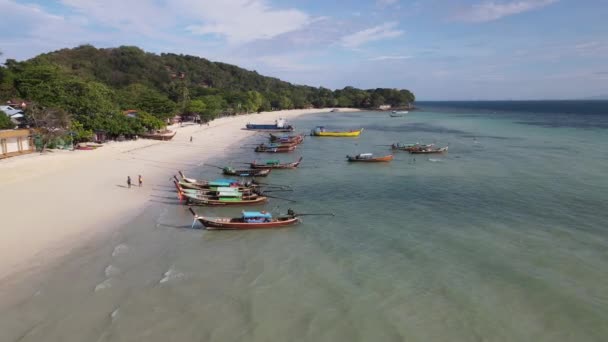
164,136
254,172
430,150
233,197
321,132
369,158
190,183
268,149
275,164
411,147
291,139
248,220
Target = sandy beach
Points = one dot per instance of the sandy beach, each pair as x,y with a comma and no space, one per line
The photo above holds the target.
55,202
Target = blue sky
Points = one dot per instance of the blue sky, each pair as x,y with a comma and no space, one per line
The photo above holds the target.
439,49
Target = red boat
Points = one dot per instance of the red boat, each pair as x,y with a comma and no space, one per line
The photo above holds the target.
249,220
275,164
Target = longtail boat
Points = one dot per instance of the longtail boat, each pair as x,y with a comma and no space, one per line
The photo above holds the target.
369,158
161,135
430,150
322,132
253,172
411,147
275,164
190,183
290,139
275,149
280,125
231,197
248,220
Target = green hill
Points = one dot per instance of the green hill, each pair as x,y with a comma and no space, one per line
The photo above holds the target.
93,85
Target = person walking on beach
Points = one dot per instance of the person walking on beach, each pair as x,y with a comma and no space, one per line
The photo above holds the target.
129,181
190,138
141,181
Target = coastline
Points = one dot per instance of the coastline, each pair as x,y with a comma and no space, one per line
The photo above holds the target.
59,201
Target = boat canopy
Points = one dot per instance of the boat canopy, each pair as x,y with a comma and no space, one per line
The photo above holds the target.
272,162
227,189
365,155
256,214
230,194
221,182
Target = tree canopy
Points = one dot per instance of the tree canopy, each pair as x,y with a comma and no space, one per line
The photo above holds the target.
95,85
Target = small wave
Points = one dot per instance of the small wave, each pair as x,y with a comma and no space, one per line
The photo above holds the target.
114,315
111,271
106,284
171,274
120,249
433,160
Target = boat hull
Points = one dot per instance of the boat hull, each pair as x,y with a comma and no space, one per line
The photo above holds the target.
254,172
293,165
383,159
338,134
234,224
162,137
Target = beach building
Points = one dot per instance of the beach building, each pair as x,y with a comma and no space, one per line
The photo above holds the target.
14,142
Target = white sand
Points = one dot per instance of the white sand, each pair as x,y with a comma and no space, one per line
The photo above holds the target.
53,203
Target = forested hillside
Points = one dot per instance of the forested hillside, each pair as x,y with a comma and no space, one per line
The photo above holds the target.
94,85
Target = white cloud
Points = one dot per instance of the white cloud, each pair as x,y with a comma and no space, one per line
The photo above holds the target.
388,58
492,10
242,20
375,33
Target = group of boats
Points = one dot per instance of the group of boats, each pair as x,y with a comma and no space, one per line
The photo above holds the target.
230,192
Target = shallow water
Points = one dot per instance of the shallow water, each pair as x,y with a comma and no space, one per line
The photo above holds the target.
502,239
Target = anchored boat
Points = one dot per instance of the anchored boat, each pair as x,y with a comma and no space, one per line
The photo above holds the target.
320,131
248,220
275,164
280,125
369,158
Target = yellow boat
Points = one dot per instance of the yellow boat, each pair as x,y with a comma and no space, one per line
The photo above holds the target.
321,132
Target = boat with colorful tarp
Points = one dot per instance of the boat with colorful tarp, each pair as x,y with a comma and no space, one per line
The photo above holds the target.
430,150
247,220
280,125
230,171
225,197
320,131
275,164
191,183
369,158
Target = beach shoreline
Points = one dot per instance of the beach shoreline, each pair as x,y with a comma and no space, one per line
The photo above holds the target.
58,201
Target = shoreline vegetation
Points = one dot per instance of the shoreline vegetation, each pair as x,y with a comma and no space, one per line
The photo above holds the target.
80,94
58,201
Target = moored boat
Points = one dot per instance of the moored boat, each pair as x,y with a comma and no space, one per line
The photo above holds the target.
430,150
322,132
369,158
274,149
289,139
254,172
248,220
276,164
160,135
280,125
411,147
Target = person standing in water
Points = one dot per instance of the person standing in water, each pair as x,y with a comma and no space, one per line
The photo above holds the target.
129,181
141,181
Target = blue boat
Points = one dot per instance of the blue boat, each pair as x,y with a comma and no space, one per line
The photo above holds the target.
280,125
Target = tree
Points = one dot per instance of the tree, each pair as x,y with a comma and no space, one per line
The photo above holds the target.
79,133
214,105
150,122
49,123
195,107
5,121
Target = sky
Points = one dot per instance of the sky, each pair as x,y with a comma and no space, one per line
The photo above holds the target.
439,49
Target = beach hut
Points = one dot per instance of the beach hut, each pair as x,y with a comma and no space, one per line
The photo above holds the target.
15,142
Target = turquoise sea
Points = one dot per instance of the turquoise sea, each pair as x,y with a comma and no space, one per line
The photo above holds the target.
505,238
